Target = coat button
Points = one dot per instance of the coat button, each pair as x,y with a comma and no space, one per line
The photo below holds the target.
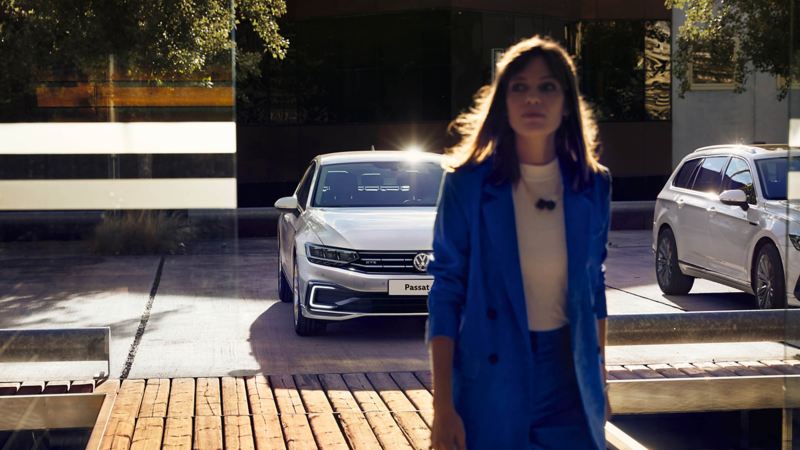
493,358
491,313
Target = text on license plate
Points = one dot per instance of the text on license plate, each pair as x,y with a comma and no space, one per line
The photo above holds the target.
409,287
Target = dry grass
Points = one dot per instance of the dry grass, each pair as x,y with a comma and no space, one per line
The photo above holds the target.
141,232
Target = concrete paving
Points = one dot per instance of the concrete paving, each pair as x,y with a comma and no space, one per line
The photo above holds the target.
216,312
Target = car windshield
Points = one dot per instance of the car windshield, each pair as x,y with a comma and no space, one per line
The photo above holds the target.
379,183
772,173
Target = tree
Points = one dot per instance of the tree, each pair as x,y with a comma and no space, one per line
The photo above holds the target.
149,39
743,35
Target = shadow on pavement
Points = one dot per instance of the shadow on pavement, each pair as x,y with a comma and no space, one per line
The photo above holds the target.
378,344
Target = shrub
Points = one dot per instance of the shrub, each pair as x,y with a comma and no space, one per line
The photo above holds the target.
141,232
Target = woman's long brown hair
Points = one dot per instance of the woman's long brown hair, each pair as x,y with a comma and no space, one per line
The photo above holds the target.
484,129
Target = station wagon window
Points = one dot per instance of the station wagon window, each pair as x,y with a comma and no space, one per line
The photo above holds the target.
684,177
738,176
710,174
305,187
773,174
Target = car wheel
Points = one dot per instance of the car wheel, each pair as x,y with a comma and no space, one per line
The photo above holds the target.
670,278
769,285
303,326
284,288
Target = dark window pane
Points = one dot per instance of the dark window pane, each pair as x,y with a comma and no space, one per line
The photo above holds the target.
738,176
710,174
684,177
610,58
305,187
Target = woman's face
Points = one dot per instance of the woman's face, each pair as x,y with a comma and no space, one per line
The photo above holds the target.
534,101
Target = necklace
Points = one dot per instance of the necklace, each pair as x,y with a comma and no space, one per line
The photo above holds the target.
542,203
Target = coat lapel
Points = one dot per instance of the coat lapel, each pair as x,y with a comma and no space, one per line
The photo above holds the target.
577,210
498,215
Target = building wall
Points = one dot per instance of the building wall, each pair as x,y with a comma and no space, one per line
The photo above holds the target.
272,154
712,117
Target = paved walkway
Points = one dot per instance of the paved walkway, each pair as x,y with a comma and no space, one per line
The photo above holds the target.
215,312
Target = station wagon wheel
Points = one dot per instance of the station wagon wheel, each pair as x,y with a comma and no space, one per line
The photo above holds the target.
669,276
769,285
303,326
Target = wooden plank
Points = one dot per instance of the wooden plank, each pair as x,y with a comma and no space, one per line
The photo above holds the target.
109,389
234,397
208,401
420,397
267,430
31,388
120,428
177,432
81,387
178,426
738,369
237,429
643,372
181,398
402,409
9,388
323,424
714,369
691,370
667,371
56,387
156,398
426,378
292,413
355,425
761,368
238,432
386,429
617,439
207,432
147,435
620,373
680,395
262,400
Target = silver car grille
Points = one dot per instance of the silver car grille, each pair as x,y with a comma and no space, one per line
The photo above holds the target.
386,262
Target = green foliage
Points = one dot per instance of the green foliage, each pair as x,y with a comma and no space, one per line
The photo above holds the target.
743,35
151,39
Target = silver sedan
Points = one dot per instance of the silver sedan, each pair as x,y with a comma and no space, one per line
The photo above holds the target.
356,237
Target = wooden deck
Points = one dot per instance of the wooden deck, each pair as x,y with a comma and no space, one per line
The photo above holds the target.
326,411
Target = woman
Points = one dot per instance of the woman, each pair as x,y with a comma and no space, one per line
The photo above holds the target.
517,309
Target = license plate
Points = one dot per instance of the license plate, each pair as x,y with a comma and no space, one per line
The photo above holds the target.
409,287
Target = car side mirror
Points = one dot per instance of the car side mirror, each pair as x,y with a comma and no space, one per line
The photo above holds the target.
735,197
286,204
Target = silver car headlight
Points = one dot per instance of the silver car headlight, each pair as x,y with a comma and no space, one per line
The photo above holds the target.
795,241
329,256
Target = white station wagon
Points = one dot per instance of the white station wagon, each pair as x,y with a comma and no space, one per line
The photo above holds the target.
356,237
723,215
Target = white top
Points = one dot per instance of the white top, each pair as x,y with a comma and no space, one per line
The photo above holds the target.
542,245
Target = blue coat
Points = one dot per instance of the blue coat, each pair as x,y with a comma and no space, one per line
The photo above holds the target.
477,299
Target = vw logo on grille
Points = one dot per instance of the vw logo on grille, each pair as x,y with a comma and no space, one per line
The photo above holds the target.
421,261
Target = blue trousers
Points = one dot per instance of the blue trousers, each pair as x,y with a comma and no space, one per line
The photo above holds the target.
558,420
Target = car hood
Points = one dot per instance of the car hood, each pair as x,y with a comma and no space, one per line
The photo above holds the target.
403,228
784,209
